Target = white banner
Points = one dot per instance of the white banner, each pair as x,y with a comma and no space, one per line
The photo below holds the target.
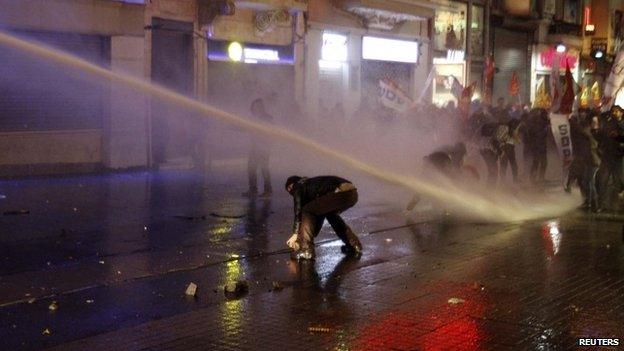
614,81
560,127
393,97
430,78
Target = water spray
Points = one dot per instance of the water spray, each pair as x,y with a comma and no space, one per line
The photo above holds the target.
471,203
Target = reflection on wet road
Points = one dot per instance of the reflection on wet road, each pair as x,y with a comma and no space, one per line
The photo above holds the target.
116,253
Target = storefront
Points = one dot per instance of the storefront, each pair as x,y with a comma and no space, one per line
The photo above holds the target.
542,61
345,62
511,54
240,72
458,54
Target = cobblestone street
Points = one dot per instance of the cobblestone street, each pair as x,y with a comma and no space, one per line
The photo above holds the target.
118,271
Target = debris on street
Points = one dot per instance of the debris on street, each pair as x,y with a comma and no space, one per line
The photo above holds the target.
236,288
53,306
46,332
456,301
191,290
89,301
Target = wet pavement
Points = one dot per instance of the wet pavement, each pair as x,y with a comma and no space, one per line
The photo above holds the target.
116,253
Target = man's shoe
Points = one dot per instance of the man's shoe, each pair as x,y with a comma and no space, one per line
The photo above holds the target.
349,250
305,254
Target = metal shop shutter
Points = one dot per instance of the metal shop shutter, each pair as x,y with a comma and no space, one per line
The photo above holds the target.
37,96
511,53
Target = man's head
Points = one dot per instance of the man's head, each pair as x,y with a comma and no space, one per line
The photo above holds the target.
500,102
290,183
617,112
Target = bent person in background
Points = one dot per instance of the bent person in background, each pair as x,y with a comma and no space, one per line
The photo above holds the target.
317,199
448,161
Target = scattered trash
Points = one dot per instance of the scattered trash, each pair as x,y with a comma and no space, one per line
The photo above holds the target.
53,306
101,262
388,240
31,301
75,209
226,216
16,212
191,290
277,286
456,301
238,287
145,228
191,218
119,272
46,332
89,301
319,329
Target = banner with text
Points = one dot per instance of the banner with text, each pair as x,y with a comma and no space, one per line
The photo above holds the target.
560,127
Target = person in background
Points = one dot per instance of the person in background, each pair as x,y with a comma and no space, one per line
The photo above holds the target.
586,159
259,153
500,111
315,200
508,138
447,161
610,136
538,129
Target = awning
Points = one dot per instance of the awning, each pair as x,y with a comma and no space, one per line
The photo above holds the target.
385,14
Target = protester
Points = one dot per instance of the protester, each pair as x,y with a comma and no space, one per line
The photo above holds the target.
447,161
538,131
508,138
317,199
259,153
586,159
610,136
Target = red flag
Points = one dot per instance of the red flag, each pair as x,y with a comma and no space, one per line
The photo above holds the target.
466,99
514,84
488,75
567,99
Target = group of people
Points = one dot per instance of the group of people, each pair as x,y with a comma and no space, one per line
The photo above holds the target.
597,147
597,166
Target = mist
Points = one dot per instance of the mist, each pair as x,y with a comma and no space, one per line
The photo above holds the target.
383,158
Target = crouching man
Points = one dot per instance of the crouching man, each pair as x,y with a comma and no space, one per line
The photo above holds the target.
317,199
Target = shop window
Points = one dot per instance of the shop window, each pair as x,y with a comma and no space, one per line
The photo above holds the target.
450,28
476,28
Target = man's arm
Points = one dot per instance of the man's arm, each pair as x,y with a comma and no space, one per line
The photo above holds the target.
298,208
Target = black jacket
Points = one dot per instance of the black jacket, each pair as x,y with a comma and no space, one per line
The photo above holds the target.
308,189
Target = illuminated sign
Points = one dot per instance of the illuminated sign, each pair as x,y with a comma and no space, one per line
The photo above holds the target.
261,54
219,50
382,49
548,56
334,47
